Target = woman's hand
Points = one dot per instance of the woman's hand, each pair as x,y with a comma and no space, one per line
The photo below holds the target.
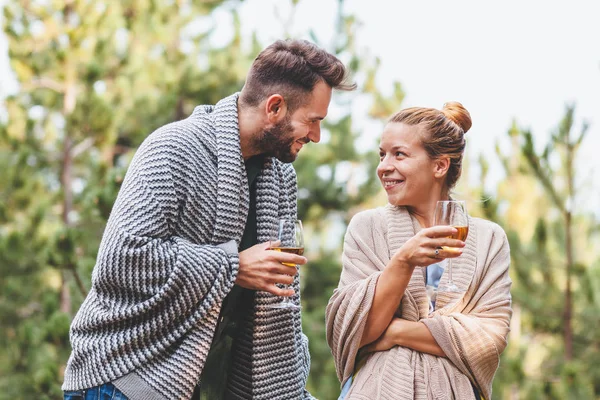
410,334
388,339
420,250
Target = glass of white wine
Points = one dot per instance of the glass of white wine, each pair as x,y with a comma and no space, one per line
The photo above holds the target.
453,213
291,240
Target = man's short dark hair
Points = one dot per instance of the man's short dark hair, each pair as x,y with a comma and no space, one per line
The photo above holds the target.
292,68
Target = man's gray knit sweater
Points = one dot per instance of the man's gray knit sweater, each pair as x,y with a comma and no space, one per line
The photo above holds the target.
169,257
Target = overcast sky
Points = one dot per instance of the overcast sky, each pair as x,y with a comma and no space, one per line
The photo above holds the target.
502,60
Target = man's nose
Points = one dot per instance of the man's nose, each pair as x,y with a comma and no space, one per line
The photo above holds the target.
315,134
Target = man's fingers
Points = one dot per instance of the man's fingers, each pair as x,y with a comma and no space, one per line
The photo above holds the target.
288,258
267,282
277,291
271,243
283,269
284,279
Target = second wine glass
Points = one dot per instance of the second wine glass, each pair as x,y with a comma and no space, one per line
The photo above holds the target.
453,213
291,240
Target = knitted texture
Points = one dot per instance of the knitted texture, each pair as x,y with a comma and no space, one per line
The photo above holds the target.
470,327
161,277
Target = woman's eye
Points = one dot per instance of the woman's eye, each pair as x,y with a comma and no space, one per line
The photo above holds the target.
400,154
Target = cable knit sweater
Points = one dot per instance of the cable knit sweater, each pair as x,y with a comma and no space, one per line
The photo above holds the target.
471,328
168,258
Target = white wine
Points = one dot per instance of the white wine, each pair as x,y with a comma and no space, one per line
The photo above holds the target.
289,239
293,250
462,233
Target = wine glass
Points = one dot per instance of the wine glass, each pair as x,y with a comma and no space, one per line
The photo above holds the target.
291,238
453,213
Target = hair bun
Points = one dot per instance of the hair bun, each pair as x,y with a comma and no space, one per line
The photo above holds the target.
457,113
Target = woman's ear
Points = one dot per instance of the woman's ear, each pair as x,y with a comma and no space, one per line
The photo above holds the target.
441,166
275,108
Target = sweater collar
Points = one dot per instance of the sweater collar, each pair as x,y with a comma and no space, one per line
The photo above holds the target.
232,195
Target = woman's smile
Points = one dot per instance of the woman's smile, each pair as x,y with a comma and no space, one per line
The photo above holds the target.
390,184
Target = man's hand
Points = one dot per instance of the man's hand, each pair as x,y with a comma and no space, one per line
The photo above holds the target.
261,268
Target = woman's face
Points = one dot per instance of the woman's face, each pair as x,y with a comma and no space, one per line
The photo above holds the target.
405,170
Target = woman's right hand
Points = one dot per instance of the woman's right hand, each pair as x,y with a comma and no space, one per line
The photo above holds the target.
420,250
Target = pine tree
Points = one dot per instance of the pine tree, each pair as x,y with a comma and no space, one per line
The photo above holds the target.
554,280
94,79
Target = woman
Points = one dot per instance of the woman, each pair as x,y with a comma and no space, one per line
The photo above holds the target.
388,338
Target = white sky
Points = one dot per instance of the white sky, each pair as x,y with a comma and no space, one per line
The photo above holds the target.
502,60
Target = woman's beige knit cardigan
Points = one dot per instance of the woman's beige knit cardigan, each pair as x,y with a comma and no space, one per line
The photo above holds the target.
470,328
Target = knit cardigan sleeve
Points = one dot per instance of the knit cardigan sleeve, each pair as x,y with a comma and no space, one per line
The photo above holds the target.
150,285
474,338
351,302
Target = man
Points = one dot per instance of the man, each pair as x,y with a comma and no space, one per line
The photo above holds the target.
184,274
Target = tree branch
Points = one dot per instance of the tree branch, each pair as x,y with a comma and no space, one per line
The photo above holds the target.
82,147
78,280
45,83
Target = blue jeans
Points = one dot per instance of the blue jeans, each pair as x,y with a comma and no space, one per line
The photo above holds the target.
103,392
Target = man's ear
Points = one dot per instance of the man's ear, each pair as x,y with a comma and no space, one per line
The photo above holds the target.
441,166
275,108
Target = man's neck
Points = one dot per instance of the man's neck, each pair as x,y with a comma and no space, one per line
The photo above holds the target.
250,126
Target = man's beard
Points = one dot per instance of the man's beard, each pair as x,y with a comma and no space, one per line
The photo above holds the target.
278,141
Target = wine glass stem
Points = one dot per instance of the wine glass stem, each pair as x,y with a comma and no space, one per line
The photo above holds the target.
450,282
287,299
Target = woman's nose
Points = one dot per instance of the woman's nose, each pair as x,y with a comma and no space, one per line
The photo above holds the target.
384,166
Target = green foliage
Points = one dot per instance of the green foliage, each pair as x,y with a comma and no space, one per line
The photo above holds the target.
554,343
96,77
321,277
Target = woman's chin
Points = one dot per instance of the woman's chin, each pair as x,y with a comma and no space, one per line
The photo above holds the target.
395,200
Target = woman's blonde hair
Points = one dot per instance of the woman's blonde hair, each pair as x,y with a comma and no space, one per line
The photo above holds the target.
444,133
